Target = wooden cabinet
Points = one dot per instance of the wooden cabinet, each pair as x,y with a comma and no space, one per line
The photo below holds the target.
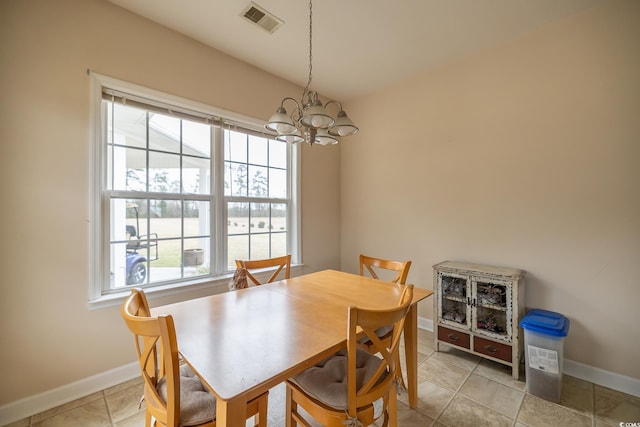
478,309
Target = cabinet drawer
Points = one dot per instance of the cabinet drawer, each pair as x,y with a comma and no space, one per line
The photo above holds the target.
453,337
492,348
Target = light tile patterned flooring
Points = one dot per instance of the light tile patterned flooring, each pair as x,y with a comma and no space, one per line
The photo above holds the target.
455,389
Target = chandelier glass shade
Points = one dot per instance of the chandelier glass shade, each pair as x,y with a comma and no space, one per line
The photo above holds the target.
309,120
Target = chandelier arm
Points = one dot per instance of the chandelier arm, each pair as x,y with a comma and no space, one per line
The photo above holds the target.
333,102
295,114
292,99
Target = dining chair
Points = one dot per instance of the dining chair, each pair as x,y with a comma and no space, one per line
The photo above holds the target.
374,266
173,393
341,390
283,262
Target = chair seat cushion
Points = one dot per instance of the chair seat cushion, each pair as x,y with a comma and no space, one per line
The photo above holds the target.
197,405
327,380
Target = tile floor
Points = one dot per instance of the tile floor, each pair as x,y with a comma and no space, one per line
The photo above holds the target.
455,389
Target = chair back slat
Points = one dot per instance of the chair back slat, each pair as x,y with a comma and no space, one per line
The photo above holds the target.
281,263
370,264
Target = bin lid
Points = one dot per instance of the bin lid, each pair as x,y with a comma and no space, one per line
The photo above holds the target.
546,322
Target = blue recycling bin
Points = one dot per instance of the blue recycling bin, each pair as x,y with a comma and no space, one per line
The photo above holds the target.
544,335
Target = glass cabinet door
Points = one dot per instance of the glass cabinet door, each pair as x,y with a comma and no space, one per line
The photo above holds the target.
492,308
455,295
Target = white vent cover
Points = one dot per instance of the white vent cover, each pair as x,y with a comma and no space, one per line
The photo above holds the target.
259,16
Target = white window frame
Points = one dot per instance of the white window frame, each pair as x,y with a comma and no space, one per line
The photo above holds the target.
99,232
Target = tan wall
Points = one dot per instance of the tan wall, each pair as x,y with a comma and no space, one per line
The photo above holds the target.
48,336
523,156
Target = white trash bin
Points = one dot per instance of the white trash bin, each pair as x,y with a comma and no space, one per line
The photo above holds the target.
544,334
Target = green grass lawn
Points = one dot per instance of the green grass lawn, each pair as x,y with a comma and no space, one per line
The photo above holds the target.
239,229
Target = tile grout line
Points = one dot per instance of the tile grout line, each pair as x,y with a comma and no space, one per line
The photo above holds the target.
455,393
593,405
514,420
106,404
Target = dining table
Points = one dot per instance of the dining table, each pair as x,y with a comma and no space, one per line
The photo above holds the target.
244,342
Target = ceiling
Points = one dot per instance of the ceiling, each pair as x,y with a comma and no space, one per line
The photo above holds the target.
359,46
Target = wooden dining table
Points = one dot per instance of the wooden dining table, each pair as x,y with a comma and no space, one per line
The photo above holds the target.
245,342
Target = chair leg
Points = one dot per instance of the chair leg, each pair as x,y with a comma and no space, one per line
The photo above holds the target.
399,376
260,418
392,407
290,407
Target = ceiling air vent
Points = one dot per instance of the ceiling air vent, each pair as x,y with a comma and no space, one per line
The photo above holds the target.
262,18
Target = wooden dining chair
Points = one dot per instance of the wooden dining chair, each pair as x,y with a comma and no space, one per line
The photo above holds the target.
282,263
173,393
374,266
341,389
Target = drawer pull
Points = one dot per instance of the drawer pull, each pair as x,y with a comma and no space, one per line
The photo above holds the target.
490,349
453,337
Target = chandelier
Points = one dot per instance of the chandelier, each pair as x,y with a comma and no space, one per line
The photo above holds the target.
310,120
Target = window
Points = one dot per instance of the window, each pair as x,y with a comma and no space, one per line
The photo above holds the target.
182,190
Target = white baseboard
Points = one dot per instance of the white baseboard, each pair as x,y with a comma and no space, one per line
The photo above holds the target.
35,404
426,324
601,377
580,370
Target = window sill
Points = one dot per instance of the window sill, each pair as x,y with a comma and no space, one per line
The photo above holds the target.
216,285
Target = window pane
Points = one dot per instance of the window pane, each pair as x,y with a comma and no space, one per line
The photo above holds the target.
128,219
197,218
278,244
277,154
164,133
107,108
277,183
237,248
237,218
196,257
164,172
227,178
237,184
278,217
196,175
166,219
259,217
119,257
258,149
235,146
260,246
168,264
196,139
129,126
258,181
127,168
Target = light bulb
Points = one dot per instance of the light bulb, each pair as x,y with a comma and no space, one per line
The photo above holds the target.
284,128
316,121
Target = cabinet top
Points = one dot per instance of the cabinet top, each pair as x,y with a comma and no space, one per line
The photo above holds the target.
471,268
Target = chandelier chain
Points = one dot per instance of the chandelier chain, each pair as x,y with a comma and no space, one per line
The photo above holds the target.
306,89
